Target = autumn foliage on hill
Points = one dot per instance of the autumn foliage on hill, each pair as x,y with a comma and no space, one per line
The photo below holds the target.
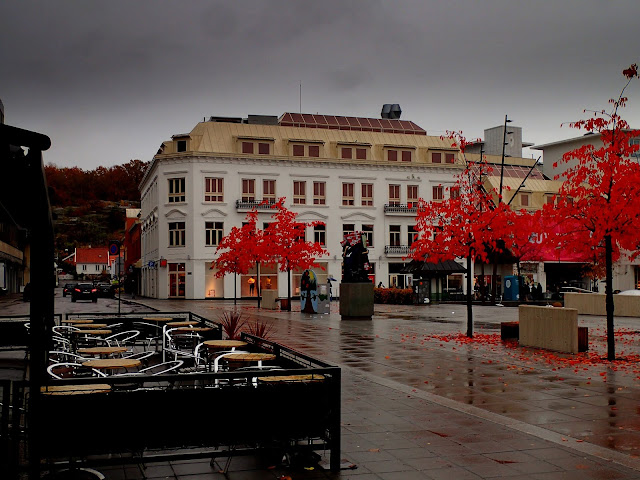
73,186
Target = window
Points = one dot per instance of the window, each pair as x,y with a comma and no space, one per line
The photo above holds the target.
549,199
436,157
454,192
406,155
347,194
98,268
361,153
176,190
412,234
448,158
314,150
524,199
348,228
269,191
181,146
213,189
392,155
438,193
263,148
320,234
176,234
368,233
346,152
298,150
394,195
213,233
319,196
412,195
299,193
367,194
84,267
248,190
394,235
247,147
301,230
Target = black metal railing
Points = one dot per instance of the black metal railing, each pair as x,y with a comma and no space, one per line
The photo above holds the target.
397,249
257,204
401,208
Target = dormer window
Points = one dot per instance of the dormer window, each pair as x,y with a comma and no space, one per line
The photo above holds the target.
181,146
253,145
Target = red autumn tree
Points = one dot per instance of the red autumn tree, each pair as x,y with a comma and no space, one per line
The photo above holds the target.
468,224
600,195
285,241
240,249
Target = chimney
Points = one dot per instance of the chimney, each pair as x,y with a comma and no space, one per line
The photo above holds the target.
391,111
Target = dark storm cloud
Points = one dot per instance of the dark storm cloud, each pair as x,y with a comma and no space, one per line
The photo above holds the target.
95,75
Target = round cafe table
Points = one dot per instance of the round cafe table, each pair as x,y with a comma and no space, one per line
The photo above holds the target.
193,329
235,358
102,350
158,319
224,344
100,331
75,389
305,378
77,321
186,323
91,326
112,363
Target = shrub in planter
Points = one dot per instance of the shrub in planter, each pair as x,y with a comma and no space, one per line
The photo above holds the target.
393,296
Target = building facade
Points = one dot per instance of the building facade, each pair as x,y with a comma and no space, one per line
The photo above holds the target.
352,174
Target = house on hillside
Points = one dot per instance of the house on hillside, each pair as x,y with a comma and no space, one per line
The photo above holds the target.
91,263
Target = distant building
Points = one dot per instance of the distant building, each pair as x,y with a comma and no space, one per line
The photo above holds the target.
91,262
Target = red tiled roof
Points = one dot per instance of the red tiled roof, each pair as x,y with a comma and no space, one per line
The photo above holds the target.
98,255
332,122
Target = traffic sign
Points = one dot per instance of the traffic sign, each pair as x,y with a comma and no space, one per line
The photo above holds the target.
114,247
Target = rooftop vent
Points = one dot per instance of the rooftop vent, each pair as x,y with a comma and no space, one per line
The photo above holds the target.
391,111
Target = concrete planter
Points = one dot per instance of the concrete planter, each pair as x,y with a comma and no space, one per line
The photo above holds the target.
356,301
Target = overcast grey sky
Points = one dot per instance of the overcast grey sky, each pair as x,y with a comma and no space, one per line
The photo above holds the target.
108,81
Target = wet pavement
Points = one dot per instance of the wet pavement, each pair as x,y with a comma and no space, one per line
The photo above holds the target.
419,400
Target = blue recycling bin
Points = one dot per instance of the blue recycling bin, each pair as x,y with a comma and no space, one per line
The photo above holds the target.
511,288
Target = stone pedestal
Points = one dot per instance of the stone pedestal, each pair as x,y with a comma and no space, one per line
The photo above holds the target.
356,301
269,298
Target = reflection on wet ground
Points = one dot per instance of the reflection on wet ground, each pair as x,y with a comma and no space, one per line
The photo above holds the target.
574,403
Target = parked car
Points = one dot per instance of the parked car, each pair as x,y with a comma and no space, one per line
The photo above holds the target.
67,289
106,290
84,291
629,292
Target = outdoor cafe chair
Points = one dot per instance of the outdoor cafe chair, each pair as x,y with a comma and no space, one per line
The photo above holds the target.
179,343
64,330
161,368
149,333
142,356
71,369
58,356
61,344
122,339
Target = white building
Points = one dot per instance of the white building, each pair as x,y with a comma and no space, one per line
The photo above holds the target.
350,173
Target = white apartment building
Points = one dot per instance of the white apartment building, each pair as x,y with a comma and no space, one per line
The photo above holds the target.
353,174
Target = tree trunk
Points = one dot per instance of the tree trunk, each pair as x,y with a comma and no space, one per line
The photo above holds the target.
494,280
483,287
519,286
611,344
289,285
235,288
258,283
469,299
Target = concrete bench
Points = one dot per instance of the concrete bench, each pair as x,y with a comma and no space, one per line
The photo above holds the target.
511,331
549,327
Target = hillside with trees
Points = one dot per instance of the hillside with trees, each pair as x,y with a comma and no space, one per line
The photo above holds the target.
89,205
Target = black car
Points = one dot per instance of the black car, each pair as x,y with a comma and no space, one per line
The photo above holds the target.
106,290
84,291
67,289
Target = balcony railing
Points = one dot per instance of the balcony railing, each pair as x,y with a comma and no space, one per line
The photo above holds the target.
401,208
397,249
257,204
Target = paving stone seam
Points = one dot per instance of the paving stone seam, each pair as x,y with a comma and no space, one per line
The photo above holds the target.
539,432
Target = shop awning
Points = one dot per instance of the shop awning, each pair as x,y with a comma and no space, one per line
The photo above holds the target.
430,269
